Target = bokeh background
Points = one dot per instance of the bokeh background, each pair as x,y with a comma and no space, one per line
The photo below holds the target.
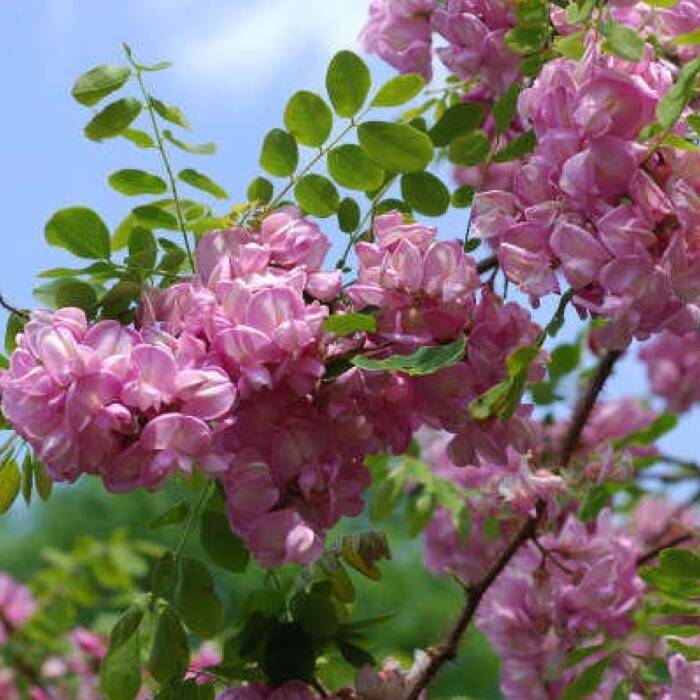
235,65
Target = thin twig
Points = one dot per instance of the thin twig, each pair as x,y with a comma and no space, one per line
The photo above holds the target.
652,553
12,309
487,264
585,404
447,650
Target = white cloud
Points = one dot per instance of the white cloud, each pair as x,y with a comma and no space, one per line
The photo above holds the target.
250,46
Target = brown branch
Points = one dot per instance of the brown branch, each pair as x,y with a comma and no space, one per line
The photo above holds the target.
487,264
447,650
585,404
652,553
12,309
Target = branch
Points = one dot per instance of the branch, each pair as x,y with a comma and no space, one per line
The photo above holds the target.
447,651
487,264
585,404
12,309
652,553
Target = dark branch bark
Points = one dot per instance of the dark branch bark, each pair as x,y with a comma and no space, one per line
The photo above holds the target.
487,264
447,650
652,553
584,406
12,309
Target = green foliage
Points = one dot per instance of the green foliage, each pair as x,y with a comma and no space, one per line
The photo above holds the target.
425,193
506,106
136,182
260,190
224,548
398,90
348,215
517,148
349,323
672,104
113,119
202,182
96,84
588,681
425,360
395,146
204,149
460,119
308,118
348,82
351,167
623,42
280,154
317,195
120,672
79,230
10,483
469,150
170,654
196,599
170,113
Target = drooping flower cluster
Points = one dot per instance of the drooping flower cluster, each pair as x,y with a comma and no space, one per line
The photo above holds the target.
673,368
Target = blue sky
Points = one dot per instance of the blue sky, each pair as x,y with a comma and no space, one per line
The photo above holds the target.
235,64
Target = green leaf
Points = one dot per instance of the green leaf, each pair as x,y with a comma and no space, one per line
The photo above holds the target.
202,182
680,563
170,113
162,573
671,106
469,150
348,82
317,195
420,510
661,425
170,653
280,154
120,672
317,616
349,323
580,11
134,182
517,148
203,149
571,45
224,548
308,118
348,215
688,39
79,230
462,197
354,655
396,146
526,40
579,655
623,42
388,494
119,299
10,483
692,653
153,216
139,138
15,325
399,90
142,249
595,500
588,682
196,599
531,13
457,120
425,193
27,479
76,293
564,359
425,360
675,141
113,119
99,82
260,190
172,516
362,550
505,109
42,481
351,167
664,4
341,583
289,655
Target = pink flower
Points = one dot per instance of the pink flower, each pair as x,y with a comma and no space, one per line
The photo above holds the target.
16,606
399,32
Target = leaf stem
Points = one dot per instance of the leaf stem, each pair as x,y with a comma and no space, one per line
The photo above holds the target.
164,157
13,309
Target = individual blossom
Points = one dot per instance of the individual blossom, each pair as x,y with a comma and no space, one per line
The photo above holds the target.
399,32
673,368
290,690
685,679
17,605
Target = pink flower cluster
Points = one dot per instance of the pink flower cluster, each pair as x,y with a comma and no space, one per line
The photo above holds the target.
17,605
543,606
614,217
673,368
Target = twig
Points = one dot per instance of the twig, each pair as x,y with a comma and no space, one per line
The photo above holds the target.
12,309
447,651
652,553
487,264
585,404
